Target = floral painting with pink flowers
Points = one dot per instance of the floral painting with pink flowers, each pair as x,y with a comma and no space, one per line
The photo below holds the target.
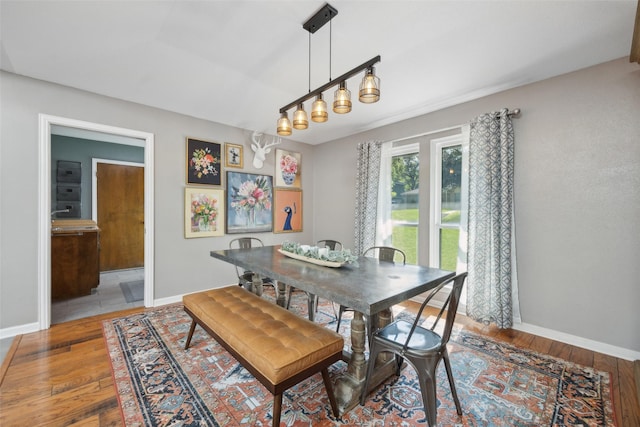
204,162
249,203
288,169
204,212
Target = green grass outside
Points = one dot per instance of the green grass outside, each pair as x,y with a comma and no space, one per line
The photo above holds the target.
406,238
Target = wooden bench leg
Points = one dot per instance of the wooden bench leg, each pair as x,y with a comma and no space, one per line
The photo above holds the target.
277,409
329,387
191,330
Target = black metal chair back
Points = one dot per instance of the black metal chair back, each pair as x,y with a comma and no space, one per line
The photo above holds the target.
333,245
421,346
245,277
386,253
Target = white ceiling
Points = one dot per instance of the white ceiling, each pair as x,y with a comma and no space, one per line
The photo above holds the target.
237,62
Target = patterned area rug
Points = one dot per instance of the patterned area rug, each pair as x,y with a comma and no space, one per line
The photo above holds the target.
161,384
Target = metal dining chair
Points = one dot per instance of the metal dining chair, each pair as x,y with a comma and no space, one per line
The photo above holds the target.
422,347
245,277
384,254
333,245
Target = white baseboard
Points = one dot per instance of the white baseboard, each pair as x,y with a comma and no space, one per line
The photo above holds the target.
600,347
167,300
35,327
19,330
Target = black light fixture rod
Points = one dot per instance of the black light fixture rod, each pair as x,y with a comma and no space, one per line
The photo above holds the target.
332,83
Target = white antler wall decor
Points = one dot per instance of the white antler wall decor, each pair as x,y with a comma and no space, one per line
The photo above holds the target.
261,148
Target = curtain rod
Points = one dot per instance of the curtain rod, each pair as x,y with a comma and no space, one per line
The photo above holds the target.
512,113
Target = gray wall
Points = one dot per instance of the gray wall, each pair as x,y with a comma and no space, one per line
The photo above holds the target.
577,196
67,148
577,199
181,265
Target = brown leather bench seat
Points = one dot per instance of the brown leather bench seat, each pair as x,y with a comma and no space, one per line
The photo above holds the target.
278,347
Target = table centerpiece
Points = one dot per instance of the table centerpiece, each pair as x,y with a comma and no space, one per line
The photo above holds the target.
319,256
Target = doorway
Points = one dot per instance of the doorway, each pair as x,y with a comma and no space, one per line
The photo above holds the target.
46,125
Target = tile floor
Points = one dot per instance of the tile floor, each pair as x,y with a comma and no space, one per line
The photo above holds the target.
106,298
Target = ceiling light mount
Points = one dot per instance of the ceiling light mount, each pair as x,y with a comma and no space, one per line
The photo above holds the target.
369,88
321,17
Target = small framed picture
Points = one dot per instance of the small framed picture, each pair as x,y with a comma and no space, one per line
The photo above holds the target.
204,162
203,212
288,167
249,203
233,155
287,211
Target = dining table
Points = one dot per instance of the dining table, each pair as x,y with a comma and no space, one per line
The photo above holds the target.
368,286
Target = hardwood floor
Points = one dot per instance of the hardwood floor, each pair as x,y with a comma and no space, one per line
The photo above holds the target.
62,376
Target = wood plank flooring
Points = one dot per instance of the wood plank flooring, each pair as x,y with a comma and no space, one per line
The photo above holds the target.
62,376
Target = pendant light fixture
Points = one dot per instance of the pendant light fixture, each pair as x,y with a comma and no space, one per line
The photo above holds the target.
342,99
300,120
369,87
319,112
284,125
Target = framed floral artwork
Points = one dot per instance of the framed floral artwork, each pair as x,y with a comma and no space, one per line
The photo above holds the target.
204,212
287,216
233,155
249,203
288,169
204,162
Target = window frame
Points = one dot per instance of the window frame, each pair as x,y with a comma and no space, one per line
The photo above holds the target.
435,193
385,224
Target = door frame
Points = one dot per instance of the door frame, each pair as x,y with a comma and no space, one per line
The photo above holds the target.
44,206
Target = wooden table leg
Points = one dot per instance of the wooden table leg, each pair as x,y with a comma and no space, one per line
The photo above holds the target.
349,386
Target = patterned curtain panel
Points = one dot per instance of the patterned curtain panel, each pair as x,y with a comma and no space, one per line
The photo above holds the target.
491,257
368,170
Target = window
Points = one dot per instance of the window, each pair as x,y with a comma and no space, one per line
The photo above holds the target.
428,236
445,201
399,199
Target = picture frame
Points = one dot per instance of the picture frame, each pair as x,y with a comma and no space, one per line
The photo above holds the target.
287,211
288,169
204,212
249,203
204,162
233,155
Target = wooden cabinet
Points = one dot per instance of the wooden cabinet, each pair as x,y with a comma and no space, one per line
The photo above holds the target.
75,258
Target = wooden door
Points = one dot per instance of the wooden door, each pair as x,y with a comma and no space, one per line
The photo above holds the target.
120,200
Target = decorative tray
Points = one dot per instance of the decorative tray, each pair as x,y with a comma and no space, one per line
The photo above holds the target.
316,261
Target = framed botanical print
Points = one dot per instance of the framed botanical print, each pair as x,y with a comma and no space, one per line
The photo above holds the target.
288,167
287,216
249,203
204,162
233,155
203,212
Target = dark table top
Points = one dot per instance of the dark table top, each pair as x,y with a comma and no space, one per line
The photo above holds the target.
369,287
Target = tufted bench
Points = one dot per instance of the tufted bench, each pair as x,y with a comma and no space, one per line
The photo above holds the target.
278,347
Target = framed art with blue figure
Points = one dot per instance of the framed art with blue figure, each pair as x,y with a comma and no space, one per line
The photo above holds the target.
249,203
287,211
